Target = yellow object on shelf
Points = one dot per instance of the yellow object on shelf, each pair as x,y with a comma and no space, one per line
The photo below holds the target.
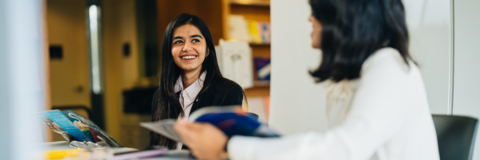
59,154
254,34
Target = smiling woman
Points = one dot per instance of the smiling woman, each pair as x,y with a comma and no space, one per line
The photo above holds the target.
190,77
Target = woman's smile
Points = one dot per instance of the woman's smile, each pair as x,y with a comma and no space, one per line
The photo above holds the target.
188,57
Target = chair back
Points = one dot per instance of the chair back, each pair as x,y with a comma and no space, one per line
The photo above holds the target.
456,136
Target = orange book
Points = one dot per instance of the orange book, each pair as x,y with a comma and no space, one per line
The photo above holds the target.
266,100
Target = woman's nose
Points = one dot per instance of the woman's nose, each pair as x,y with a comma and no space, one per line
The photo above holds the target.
187,47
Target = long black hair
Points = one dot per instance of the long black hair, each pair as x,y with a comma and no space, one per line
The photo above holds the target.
168,103
355,29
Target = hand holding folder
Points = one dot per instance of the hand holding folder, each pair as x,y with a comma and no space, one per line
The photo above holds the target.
228,119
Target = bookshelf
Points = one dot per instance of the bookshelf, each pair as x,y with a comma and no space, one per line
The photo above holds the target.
250,2
258,10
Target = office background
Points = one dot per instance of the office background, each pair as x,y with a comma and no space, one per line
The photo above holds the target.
444,41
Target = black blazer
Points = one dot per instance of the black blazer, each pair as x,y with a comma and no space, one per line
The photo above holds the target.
220,93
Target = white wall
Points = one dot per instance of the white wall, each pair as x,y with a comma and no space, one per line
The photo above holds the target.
297,103
466,92
430,28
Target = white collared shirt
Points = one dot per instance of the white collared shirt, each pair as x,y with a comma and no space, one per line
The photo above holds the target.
188,96
388,118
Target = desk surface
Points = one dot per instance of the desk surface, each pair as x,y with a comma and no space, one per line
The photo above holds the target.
174,155
171,155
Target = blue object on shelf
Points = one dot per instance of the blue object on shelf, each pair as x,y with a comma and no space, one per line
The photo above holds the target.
262,64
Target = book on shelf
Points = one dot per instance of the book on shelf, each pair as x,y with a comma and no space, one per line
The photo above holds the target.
235,62
73,126
263,67
238,30
264,32
230,119
252,31
259,32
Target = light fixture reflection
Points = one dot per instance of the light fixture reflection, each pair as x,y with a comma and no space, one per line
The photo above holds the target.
94,50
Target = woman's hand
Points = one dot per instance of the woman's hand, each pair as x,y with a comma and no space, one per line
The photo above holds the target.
204,140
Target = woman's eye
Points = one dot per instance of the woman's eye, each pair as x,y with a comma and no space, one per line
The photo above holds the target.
176,42
195,40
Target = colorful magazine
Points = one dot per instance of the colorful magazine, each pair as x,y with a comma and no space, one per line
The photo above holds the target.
73,126
90,128
55,128
59,118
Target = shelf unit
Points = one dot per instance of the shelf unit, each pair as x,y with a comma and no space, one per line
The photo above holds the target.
258,10
251,2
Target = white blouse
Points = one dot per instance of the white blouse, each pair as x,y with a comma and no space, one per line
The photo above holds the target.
188,96
385,116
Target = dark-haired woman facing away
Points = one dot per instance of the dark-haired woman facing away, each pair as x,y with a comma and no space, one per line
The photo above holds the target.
376,102
190,77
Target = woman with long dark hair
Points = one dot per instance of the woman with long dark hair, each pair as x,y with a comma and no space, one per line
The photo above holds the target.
190,77
376,101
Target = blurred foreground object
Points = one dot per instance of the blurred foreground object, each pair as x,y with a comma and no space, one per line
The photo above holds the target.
79,150
22,80
59,154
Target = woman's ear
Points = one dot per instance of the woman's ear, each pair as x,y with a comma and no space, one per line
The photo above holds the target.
208,52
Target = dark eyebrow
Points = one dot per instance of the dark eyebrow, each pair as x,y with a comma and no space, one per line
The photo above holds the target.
199,36
177,37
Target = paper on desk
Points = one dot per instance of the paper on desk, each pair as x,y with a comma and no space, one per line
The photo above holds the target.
164,127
